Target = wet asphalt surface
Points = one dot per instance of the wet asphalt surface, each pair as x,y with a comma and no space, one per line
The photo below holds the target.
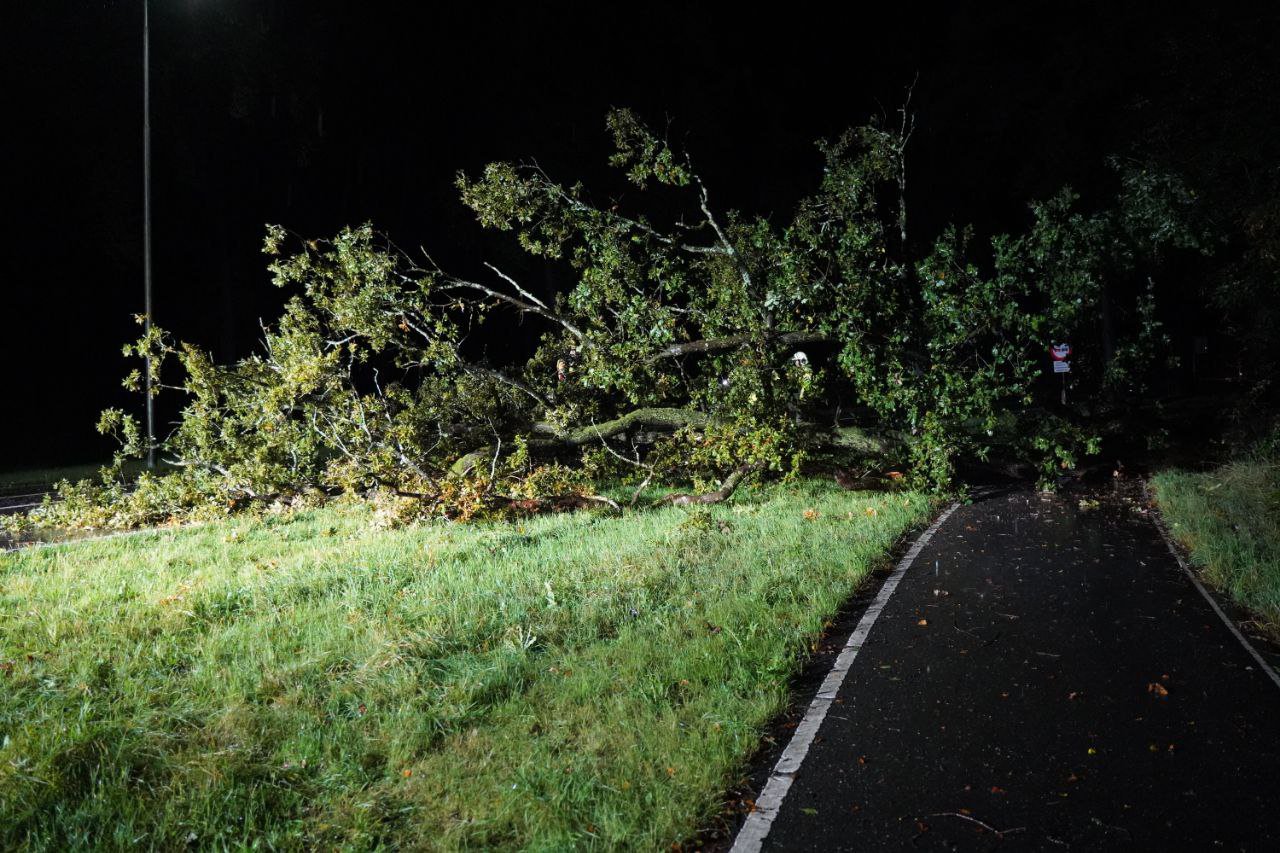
19,500
1044,678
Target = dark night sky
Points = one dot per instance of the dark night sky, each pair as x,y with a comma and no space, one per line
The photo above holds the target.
318,114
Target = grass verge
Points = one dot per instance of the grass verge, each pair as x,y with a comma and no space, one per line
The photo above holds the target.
1229,519
578,681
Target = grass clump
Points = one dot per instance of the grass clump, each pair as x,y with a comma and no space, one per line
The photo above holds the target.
1229,519
309,681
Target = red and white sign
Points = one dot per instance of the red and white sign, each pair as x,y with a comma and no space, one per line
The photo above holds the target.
1060,352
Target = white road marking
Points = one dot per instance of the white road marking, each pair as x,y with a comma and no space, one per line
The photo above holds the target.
757,825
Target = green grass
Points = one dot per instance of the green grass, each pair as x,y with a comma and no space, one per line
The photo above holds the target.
1229,519
578,681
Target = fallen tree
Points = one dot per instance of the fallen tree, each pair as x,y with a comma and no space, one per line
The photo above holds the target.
709,350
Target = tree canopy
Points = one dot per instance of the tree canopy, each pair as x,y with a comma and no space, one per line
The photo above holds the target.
699,348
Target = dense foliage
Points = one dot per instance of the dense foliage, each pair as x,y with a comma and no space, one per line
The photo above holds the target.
705,350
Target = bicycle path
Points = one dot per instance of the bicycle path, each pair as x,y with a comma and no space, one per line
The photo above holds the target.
1043,677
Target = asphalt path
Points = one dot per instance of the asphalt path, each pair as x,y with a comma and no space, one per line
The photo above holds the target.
1044,677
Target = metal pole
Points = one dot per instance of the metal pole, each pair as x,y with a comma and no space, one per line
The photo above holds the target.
146,223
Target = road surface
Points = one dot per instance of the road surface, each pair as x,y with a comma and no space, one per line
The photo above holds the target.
1044,677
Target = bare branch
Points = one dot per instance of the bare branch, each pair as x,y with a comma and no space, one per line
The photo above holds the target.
522,305
602,500
727,487
907,127
526,294
707,345
493,466
636,462
635,496
499,376
580,206
726,247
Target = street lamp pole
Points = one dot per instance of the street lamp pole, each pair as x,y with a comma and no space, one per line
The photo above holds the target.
146,224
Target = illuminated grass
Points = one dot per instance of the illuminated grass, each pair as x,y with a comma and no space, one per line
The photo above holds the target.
1230,521
578,681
